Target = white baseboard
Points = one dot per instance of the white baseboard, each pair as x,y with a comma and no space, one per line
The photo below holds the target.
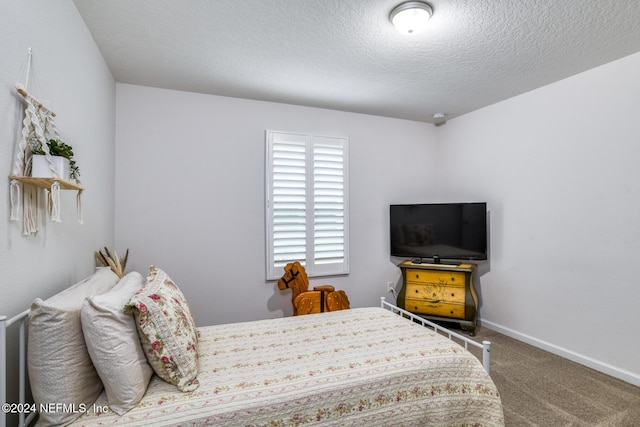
605,368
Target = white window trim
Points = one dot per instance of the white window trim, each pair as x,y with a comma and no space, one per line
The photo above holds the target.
312,268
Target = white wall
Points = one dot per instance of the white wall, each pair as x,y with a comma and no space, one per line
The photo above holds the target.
559,168
556,166
190,194
69,71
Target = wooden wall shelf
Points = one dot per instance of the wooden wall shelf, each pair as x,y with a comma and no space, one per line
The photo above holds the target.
47,182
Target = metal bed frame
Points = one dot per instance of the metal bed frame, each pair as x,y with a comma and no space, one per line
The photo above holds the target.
23,419
485,345
26,417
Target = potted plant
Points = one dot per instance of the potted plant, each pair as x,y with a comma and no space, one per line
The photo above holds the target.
57,148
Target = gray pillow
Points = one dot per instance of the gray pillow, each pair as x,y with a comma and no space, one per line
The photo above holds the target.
114,346
60,369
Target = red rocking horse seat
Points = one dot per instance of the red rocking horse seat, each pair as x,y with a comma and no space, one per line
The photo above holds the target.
320,299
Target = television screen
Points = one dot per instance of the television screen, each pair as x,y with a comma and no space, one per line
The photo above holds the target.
439,231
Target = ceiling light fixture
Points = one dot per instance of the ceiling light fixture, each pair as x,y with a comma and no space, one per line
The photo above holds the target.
411,17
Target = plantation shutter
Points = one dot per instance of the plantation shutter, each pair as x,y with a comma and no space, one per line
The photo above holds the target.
307,204
328,202
289,199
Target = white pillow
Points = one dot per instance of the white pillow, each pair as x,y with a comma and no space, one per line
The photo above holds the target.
60,369
114,346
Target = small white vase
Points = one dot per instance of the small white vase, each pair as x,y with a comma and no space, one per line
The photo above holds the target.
40,167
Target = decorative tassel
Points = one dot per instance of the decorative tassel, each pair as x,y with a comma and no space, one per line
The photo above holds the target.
31,224
79,207
15,200
54,201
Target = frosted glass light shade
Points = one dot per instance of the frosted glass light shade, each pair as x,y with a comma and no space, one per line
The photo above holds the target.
411,17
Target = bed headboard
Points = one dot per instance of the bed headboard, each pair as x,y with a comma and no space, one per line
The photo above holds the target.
3,367
24,418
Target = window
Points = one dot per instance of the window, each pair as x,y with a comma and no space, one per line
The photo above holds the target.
307,211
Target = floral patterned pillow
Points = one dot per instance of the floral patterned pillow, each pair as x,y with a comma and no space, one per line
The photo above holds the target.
167,330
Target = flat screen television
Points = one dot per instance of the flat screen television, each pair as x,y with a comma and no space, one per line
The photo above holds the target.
455,231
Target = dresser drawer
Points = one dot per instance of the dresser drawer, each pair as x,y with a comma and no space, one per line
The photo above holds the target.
435,309
435,293
440,292
451,278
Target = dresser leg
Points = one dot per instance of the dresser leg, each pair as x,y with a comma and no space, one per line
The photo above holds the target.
471,329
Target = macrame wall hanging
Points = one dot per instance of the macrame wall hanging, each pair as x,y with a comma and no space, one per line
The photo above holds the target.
37,130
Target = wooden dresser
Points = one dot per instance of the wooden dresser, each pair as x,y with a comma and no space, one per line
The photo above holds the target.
440,292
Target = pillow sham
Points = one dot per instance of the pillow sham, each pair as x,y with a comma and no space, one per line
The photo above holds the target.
113,344
57,350
167,330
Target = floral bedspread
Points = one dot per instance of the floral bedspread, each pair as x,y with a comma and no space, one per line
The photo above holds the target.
364,366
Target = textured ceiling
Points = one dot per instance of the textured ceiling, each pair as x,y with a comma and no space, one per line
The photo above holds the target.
346,55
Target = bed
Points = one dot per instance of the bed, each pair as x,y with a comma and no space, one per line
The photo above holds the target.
371,366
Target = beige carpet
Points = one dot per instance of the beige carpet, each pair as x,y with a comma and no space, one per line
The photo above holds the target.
541,389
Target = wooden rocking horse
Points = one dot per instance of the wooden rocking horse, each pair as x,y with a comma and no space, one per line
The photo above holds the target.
320,299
